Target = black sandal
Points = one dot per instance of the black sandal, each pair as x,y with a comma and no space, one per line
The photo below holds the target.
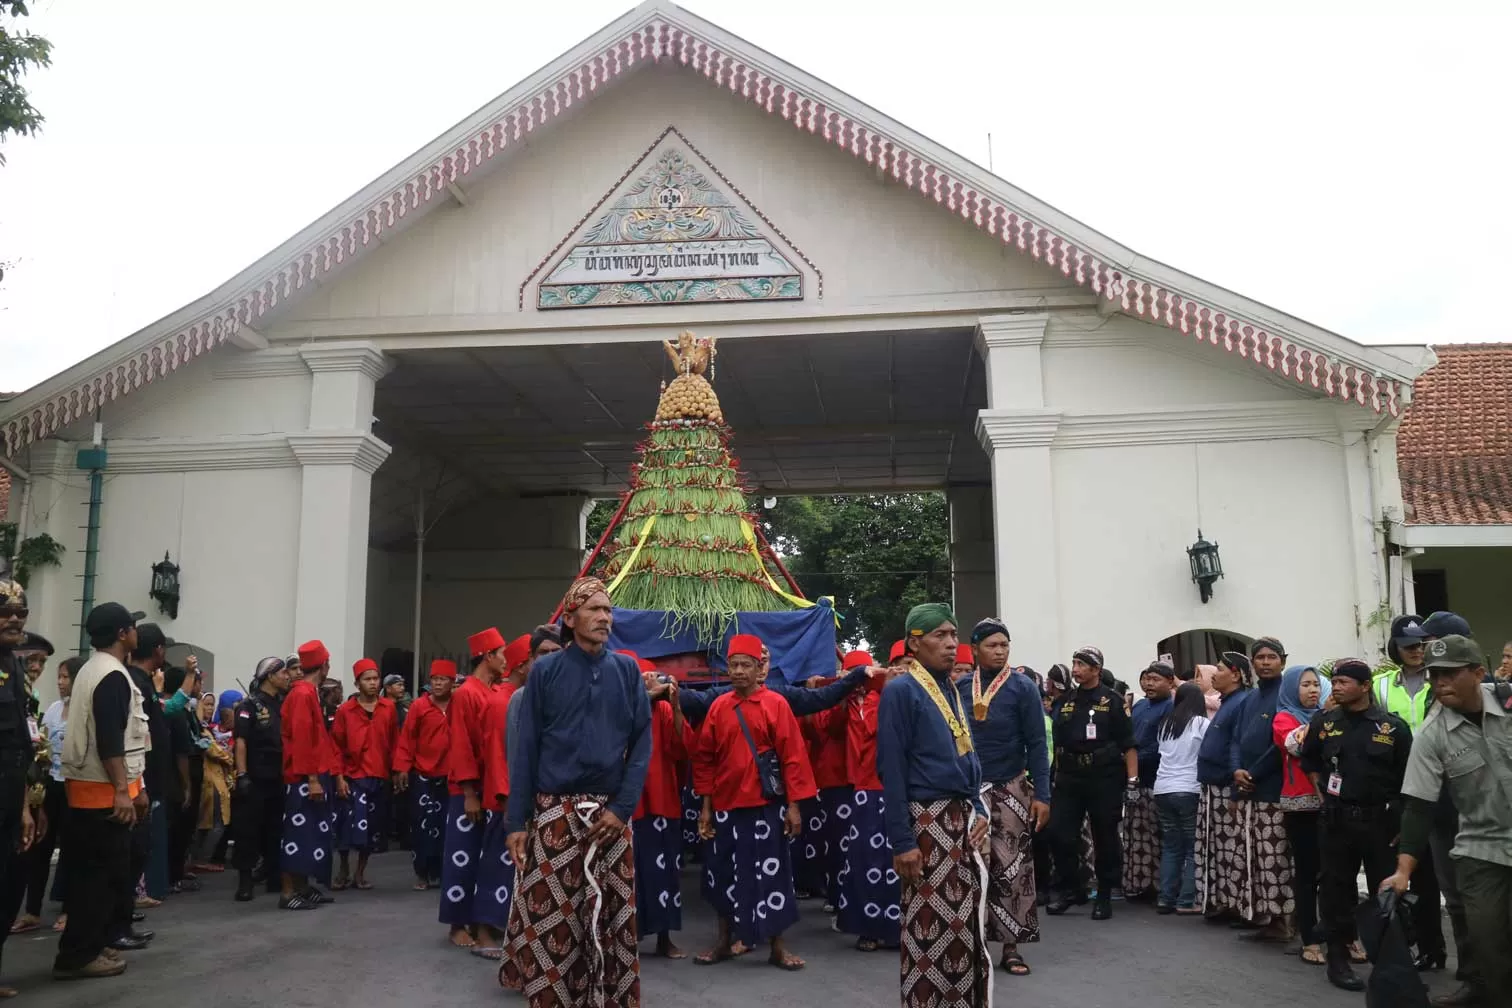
867,944
1015,966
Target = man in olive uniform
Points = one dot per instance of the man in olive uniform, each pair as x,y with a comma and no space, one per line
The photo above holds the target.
1096,764
1469,741
1356,755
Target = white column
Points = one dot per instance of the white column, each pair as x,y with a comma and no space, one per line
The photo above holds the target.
1016,431
338,456
973,582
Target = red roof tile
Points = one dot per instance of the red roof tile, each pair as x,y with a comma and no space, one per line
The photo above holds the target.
1454,445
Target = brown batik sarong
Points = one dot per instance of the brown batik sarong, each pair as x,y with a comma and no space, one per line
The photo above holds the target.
1011,913
945,959
571,941
1140,832
1217,851
1264,863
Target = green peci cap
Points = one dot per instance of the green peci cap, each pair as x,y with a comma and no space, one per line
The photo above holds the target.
1454,651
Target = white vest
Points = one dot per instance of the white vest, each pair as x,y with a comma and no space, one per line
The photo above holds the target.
81,756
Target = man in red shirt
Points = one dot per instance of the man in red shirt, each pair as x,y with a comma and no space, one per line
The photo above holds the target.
816,853
364,732
657,823
750,763
311,765
496,870
466,817
420,769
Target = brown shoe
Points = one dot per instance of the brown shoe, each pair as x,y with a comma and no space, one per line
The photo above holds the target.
99,967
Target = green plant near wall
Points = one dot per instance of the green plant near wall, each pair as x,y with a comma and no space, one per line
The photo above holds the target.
30,553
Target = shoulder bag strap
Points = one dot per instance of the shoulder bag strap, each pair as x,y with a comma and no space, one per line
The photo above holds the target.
746,731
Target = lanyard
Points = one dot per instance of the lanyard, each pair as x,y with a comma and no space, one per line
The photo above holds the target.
979,701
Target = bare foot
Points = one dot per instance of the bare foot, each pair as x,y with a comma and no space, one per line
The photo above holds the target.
460,938
667,950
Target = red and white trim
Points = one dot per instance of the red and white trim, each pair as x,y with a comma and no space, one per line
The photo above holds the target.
657,40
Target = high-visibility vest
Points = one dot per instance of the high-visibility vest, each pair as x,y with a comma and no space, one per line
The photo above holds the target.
1392,695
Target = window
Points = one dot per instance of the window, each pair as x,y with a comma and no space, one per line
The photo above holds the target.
1431,590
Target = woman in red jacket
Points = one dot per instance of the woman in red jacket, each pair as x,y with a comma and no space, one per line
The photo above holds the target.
1303,693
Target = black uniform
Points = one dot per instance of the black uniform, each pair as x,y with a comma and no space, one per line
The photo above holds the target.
1360,758
15,759
1091,734
257,801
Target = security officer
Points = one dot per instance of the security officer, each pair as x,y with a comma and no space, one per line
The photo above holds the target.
17,826
1095,765
1356,755
257,803
1468,740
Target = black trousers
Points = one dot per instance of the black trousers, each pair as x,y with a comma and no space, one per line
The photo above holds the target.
257,821
182,821
13,866
140,839
1096,795
1302,833
39,858
1351,837
1427,913
99,871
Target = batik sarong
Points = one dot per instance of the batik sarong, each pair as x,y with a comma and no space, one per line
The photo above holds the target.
427,797
809,850
358,815
1217,852
946,962
748,876
496,875
1264,863
572,935
309,830
459,864
868,904
1012,916
1139,830
658,874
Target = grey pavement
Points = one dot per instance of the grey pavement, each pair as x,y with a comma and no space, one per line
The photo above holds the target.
383,947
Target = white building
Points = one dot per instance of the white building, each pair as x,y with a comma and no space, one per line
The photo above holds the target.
890,316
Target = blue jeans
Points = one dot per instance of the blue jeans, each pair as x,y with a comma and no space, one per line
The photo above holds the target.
1178,863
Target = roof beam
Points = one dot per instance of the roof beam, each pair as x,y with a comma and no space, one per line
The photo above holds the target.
248,338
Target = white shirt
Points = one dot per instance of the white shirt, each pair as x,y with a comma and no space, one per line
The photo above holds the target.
53,724
1178,760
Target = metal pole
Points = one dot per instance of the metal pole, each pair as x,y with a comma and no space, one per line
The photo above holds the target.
91,553
419,581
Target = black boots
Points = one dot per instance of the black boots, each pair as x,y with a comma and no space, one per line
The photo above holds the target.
1340,973
244,886
1102,909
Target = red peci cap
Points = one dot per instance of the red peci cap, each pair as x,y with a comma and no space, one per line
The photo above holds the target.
745,644
964,655
646,665
484,641
896,652
363,665
312,655
857,658
443,667
629,653
517,652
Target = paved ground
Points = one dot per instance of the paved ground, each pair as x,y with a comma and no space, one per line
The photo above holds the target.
383,948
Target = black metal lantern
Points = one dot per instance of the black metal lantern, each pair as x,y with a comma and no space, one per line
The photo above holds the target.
1206,567
165,586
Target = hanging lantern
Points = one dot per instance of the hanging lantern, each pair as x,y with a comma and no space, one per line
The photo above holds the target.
1206,567
165,586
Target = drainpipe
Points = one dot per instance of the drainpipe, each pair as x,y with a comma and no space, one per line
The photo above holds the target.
419,582
91,460
1377,535
23,516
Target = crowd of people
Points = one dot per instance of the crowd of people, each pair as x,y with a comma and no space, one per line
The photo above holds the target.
931,804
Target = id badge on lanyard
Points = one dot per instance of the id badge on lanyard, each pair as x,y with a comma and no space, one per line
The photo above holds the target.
1091,733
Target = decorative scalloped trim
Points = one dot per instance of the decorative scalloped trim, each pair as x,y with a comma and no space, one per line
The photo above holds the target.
658,40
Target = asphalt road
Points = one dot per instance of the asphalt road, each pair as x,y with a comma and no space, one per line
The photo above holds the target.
383,947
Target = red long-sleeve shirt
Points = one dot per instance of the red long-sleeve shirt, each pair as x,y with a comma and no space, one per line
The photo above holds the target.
495,746
467,714
366,741
307,746
662,795
860,713
826,748
724,768
424,740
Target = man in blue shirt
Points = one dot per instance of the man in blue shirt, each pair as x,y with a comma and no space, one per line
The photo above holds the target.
579,746
936,821
1139,829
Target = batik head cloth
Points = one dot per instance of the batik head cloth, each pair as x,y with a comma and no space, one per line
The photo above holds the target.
1089,656
927,618
581,591
987,627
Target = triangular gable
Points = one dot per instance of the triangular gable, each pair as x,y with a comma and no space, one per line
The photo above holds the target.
674,230
662,32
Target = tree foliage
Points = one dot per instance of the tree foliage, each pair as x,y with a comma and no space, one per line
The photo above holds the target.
876,555
20,51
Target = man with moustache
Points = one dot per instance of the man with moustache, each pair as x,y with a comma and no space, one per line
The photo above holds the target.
311,773
18,828
1139,831
257,801
420,759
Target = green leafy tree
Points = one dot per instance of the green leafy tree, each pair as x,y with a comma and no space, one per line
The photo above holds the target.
20,51
876,555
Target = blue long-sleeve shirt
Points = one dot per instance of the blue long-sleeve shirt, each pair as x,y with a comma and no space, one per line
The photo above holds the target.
1146,716
584,726
1257,744
1012,738
696,703
916,757
1218,757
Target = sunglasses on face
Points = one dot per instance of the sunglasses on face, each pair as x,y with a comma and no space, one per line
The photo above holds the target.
14,612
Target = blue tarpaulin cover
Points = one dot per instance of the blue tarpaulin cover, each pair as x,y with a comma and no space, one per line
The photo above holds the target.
802,643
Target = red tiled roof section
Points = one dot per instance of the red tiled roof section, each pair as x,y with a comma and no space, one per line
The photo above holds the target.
1454,445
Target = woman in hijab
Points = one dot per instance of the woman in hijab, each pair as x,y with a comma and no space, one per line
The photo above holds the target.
1177,792
1303,693
215,792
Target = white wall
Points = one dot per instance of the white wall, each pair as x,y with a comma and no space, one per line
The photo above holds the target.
1479,583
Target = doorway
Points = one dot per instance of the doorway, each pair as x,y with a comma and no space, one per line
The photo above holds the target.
1191,648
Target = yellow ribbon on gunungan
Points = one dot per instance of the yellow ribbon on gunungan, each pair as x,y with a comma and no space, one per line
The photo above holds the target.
629,564
750,538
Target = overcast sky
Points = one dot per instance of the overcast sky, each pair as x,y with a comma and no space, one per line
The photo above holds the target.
1349,169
